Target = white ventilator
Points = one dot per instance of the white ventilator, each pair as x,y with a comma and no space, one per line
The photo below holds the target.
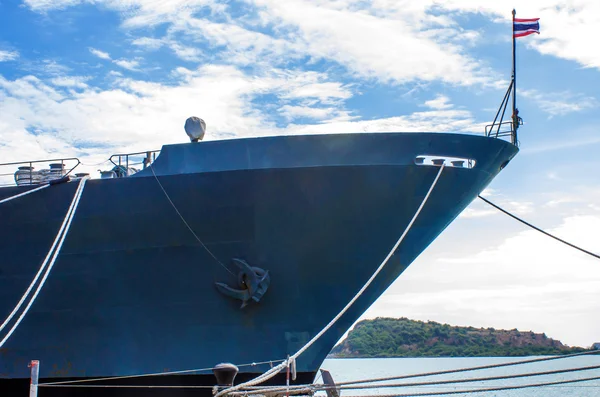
195,127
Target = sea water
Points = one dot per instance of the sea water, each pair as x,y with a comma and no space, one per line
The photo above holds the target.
344,370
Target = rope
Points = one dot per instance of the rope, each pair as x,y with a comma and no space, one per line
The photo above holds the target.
43,266
488,389
70,382
58,242
469,369
23,194
272,372
151,166
483,379
130,386
446,372
540,230
312,388
435,393
414,384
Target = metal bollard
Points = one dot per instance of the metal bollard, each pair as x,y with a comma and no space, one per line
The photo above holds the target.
225,374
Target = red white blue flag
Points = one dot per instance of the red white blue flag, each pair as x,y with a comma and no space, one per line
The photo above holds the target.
525,27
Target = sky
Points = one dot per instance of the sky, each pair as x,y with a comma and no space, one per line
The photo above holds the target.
89,78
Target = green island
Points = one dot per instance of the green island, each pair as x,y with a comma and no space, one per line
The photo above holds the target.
401,337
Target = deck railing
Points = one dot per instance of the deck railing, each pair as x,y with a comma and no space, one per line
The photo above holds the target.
128,160
36,172
500,128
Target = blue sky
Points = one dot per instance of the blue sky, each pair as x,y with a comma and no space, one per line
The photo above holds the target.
91,78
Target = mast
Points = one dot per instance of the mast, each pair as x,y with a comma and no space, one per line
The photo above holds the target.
515,117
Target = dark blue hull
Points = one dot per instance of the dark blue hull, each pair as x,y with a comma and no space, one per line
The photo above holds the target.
133,292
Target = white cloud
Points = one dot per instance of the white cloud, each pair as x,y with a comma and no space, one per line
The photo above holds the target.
186,53
528,281
292,112
367,40
127,64
560,103
45,5
132,64
136,115
489,192
430,121
72,81
51,67
557,145
390,40
148,42
564,25
517,207
100,54
479,209
8,55
142,13
314,85
327,114
576,197
390,48
241,46
141,112
305,86
440,102
29,87
477,213
135,12
561,201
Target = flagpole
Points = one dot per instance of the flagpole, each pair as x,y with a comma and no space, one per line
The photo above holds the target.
514,80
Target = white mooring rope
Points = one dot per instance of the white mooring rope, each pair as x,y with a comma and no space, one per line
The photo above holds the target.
470,369
43,266
23,194
272,372
58,242
68,383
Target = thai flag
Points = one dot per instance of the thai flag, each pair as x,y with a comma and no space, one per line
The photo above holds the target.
525,27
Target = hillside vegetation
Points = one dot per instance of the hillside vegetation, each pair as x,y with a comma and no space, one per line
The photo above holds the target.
390,337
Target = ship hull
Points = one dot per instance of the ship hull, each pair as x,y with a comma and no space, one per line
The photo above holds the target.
133,291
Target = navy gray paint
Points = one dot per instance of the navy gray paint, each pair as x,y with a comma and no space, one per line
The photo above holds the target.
134,292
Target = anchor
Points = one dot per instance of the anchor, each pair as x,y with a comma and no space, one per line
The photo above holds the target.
253,283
